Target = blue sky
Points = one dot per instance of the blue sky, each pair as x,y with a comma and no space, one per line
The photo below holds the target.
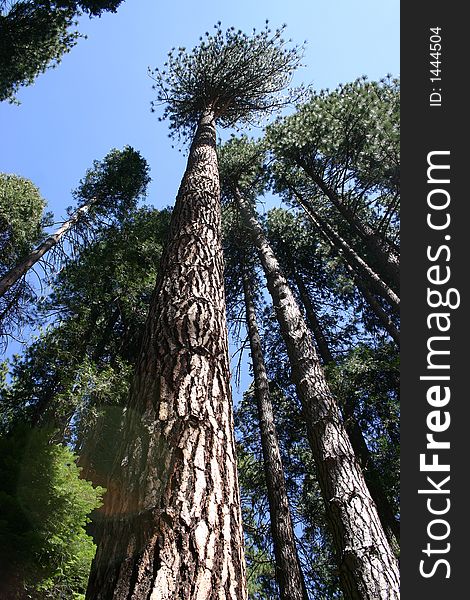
99,97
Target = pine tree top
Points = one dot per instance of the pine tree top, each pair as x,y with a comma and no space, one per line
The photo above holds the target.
240,77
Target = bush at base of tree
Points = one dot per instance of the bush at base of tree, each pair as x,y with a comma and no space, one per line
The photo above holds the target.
44,507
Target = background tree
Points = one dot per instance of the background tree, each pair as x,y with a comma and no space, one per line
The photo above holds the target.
82,362
289,236
109,190
22,223
326,298
241,273
313,539
355,528
35,34
343,147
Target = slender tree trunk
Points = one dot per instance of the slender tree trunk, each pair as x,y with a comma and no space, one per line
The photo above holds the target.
288,571
352,258
381,249
312,320
385,320
35,256
367,565
173,528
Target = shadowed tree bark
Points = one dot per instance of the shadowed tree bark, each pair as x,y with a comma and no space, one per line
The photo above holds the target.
288,571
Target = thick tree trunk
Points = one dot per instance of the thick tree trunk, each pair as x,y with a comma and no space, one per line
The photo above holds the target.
382,250
353,429
10,278
173,528
288,571
352,258
387,517
367,565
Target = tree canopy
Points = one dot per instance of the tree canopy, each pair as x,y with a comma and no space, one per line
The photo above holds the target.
35,34
239,77
21,218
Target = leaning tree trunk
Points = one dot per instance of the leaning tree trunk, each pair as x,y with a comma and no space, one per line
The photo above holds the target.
312,319
14,274
173,514
288,571
383,251
385,320
352,258
367,566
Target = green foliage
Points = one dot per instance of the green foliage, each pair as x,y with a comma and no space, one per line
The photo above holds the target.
21,218
110,283
93,8
21,226
242,166
238,76
295,243
32,38
348,140
110,190
35,34
44,508
259,557
353,127
114,184
82,363
302,254
369,377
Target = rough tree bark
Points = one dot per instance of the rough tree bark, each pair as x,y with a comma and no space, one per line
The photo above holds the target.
367,566
173,527
288,571
387,517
